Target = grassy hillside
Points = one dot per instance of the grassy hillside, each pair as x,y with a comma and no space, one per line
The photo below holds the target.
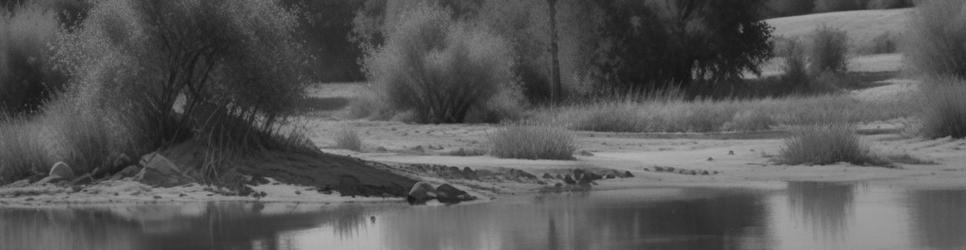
862,26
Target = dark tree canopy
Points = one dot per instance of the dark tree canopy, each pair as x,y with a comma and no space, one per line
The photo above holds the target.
655,43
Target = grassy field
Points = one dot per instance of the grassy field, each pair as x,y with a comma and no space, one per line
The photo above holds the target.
862,26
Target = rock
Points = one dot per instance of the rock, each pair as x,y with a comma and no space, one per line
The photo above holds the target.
446,193
547,176
569,180
20,183
609,176
731,152
585,153
60,170
468,173
420,193
628,174
710,159
705,172
588,178
158,171
128,172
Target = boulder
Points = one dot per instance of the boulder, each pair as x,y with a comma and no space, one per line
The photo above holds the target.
628,174
547,176
60,170
128,172
420,193
569,180
588,178
159,171
468,173
446,193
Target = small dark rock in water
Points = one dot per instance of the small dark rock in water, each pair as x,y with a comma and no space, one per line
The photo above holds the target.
710,159
372,218
731,152
420,193
547,176
569,180
298,192
446,193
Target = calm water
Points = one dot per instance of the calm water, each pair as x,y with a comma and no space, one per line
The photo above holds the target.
802,216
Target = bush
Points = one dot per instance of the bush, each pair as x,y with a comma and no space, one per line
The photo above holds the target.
839,5
533,142
944,108
889,4
751,120
27,74
884,43
231,61
825,144
347,138
935,42
439,69
795,64
829,50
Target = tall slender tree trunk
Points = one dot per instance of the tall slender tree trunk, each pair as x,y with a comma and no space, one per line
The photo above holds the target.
556,90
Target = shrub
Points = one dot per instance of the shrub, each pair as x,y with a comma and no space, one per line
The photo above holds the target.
439,69
839,5
751,120
347,138
795,64
224,71
829,50
944,108
27,74
889,4
825,144
533,142
882,44
935,42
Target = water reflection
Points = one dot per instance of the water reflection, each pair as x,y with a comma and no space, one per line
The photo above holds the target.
939,218
804,216
822,206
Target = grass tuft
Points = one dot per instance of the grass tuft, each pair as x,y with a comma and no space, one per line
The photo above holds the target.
347,138
826,144
533,142
944,108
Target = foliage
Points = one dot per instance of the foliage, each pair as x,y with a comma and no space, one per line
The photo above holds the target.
648,44
936,39
533,142
326,26
27,75
829,50
438,68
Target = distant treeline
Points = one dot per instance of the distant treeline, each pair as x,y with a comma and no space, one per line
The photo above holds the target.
780,8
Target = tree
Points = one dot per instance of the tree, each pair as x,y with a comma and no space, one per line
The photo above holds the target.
557,89
659,43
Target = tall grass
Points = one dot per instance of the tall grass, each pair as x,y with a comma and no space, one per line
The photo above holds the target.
944,108
533,141
708,115
825,144
935,42
22,153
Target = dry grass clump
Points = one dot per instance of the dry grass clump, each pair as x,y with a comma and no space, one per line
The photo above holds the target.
531,141
944,108
827,144
348,138
21,152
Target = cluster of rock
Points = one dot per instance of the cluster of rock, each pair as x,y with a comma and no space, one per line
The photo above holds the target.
153,169
661,169
423,192
466,173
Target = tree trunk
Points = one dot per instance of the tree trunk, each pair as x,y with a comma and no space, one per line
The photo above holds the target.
556,90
